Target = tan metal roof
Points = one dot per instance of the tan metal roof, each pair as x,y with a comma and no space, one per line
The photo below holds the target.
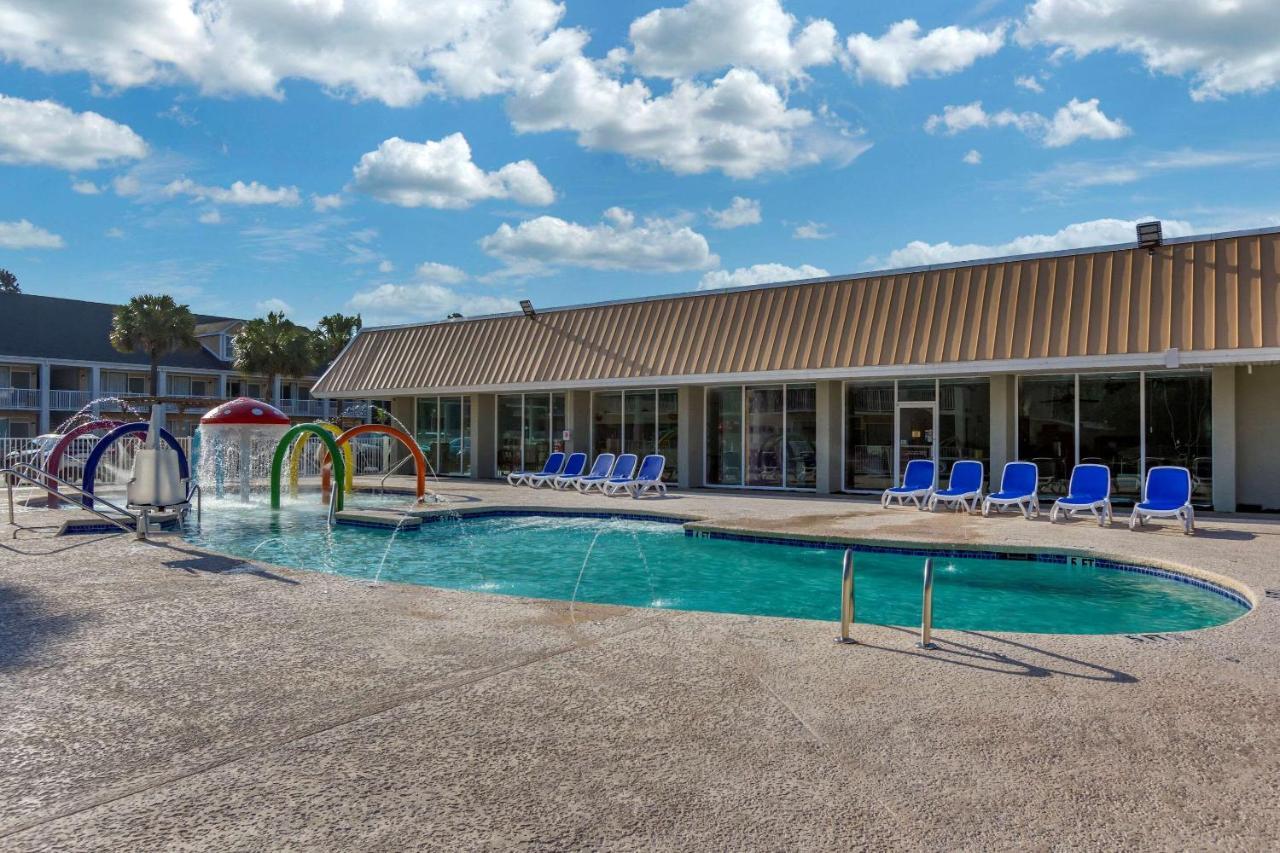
1194,295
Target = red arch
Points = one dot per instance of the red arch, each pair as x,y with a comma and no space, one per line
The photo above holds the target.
419,461
55,456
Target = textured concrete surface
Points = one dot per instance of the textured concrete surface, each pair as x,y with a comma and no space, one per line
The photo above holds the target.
156,696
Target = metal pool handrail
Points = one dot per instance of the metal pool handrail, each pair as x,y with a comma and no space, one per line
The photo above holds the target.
11,474
846,599
926,608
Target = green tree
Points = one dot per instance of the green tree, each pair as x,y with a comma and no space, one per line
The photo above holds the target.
153,325
9,283
274,346
333,333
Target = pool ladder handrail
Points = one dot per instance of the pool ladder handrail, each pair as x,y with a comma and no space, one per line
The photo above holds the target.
382,484
13,473
926,608
846,599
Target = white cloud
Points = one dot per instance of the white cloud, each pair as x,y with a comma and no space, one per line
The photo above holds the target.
737,124
1082,120
618,243
395,51
902,53
114,233
45,133
1077,120
431,294
711,35
386,266
1227,46
86,187
1097,232
811,231
741,211
973,157
210,217
324,203
1030,83
1082,174
252,193
23,235
275,304
758,274
442,175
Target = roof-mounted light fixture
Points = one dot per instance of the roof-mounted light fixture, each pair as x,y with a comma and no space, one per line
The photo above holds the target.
1149,235
527,307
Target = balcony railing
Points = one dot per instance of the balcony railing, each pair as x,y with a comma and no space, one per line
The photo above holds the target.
305,408
68,401
19,398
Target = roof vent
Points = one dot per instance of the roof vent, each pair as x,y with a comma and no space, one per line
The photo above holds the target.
1149,235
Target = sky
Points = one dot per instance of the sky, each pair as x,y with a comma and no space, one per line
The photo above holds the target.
404,159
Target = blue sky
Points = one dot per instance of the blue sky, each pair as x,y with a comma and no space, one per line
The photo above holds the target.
405,160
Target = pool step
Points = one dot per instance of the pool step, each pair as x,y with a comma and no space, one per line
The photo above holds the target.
378,518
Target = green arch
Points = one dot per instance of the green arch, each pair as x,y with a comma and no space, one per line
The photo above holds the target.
339,464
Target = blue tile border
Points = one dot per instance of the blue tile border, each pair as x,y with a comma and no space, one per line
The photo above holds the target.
963,553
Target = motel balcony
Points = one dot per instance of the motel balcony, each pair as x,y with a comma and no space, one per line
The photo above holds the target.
305,408
68,400
20,398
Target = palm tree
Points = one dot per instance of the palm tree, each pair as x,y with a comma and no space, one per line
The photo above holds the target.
274,347
9,282
153,325
332,335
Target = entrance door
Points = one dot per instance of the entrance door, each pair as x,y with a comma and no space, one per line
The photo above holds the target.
916,435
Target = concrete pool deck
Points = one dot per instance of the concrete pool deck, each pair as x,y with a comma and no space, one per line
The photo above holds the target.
158,695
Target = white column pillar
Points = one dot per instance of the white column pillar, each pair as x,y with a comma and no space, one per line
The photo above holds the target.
275,392
45,379
1003,423
689,432
95,386
222,386
1223,412
827,455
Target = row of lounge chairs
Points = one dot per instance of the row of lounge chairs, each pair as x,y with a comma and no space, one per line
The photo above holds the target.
1166,494
611,474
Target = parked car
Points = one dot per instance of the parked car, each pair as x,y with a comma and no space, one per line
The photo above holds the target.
37,452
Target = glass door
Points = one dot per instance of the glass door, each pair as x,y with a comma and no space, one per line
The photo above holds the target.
916,435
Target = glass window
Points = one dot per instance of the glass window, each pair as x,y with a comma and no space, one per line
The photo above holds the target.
724,436
916,391
964,424
669,432
607,426
764,436
537,430
1180,428
640,422
509,428
427,430
1111,428
802,437
869,436
557,422
1046,428
453,443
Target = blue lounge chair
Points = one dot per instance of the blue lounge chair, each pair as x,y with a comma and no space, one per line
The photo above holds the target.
1018,487
1090,490
917,485
1167,494
553,466
648,477
603,465
574,467
624,467
964,488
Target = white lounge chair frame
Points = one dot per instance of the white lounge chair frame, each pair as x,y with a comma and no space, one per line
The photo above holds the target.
1185,513
968,500
1028,504
1100,509
920,497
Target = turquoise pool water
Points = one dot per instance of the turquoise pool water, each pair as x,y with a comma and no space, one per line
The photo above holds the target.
654,564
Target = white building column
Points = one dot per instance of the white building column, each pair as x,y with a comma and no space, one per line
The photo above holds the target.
1003,424
275,392
95,386
1223,413
689,430
45,380
222,386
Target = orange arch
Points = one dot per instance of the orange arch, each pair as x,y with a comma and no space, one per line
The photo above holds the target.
419,461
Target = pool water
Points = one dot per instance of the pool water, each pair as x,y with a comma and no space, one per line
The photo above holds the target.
654,564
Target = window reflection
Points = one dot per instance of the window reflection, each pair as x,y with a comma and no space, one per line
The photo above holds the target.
1180,428
802,436
724,436
869,435
1046,428
1111,428
964,423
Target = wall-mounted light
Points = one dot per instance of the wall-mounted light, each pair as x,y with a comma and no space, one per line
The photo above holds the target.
1150,235
527,307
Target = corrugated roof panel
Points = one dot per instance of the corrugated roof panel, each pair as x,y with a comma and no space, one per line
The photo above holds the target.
1218,292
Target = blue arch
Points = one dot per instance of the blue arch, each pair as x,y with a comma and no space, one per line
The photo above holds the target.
95,455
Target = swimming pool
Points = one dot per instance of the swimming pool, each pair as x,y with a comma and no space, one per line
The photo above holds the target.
655,564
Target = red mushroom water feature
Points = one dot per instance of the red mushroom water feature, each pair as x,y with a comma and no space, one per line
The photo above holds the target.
237,424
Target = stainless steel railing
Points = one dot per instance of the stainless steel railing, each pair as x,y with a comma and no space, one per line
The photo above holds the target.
846,599
11,474
926,609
